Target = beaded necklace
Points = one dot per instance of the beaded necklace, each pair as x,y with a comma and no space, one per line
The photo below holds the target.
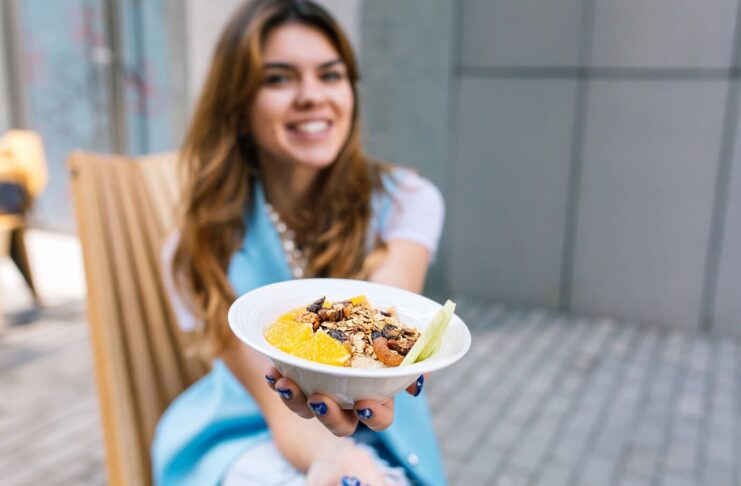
294,256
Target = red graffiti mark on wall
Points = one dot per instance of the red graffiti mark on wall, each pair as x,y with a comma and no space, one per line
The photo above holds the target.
86,26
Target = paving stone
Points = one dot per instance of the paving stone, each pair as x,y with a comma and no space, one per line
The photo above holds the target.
630,479
528,457
718,477
597,471
555,475
512,477
642,461
681,458
676,480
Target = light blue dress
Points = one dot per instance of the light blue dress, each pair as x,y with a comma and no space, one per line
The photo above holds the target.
210,424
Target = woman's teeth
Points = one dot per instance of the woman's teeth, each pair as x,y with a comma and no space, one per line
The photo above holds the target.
312,126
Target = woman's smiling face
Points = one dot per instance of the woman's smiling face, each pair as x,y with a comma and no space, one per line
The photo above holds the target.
302,113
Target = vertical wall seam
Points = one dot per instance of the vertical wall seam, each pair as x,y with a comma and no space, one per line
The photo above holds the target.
140,56
722,188
16,94
450,173
115,84
568,249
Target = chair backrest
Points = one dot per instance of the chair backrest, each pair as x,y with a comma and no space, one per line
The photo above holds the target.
125,209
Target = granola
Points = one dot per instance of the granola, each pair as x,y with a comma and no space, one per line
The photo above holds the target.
373,337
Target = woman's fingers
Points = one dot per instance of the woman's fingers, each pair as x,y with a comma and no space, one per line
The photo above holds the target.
291,395
377,416
272,376
341,423
416,388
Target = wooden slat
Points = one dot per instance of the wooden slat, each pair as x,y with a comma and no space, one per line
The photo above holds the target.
163,189
129,305
145,264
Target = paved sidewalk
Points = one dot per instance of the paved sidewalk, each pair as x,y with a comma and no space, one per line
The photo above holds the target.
541,399
545,399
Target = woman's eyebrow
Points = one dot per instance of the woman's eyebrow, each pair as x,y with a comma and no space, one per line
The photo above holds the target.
292,67
331,63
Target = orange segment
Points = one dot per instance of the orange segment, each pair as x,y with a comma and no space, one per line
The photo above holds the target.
293,314
321,348
287,335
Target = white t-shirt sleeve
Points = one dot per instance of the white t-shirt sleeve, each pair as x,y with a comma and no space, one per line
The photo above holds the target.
186,320
416,214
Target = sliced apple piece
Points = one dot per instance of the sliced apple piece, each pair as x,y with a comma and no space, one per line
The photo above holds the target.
432,336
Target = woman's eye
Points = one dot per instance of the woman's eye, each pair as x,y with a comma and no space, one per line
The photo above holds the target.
275,79
332,76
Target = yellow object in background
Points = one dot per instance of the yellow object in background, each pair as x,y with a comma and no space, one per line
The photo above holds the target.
22,160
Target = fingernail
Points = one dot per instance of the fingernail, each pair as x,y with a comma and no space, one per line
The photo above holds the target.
270,380
420,384
365,413
350,481
286,394
319,409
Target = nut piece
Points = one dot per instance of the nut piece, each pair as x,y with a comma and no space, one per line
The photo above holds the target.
328,314
385,355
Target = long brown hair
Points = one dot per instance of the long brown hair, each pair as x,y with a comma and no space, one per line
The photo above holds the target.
220,162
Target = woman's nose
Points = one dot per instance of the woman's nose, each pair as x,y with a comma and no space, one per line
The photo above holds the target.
310,93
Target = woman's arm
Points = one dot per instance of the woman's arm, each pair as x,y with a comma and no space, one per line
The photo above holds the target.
405,266
304,443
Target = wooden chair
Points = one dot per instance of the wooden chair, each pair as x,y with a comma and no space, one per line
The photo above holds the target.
125,210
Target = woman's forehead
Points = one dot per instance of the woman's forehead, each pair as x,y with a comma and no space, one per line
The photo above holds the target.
300,45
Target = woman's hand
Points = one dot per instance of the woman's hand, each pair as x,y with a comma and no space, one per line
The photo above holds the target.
344,461
342,423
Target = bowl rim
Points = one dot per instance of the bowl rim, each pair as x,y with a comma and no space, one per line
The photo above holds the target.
265,348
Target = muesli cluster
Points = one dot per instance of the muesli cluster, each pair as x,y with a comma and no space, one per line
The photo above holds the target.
374,338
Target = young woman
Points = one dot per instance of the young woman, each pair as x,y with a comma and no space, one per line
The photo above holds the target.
278,187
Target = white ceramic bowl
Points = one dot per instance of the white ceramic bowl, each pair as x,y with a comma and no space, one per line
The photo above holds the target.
252,313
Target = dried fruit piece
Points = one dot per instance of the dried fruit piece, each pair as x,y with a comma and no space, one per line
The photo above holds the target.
359,300
316,305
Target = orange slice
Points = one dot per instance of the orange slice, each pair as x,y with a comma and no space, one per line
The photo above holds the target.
287,335
293,314
321,348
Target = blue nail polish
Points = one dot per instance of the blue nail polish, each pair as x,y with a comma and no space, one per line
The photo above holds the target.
286,394
365,413
350,481
270,380
319,409
420,384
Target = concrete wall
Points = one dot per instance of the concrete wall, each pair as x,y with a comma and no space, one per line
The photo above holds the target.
407,94
597,158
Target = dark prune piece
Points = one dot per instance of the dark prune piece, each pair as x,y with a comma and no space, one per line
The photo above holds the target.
316,305
337,334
